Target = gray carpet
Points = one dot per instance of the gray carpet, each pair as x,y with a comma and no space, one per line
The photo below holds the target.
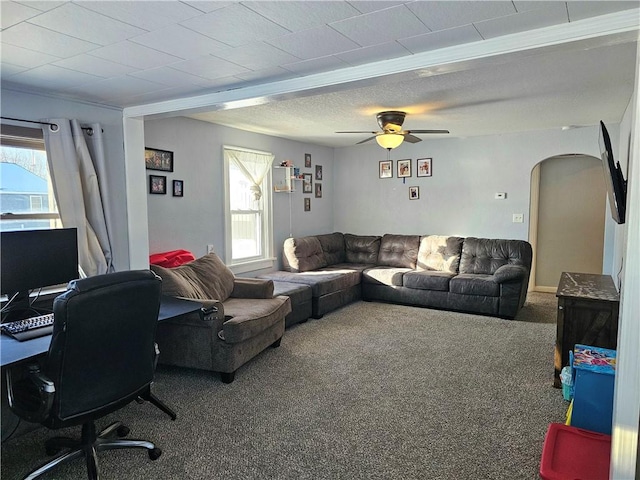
371,391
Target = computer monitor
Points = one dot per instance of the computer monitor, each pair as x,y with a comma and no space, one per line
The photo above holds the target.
31,259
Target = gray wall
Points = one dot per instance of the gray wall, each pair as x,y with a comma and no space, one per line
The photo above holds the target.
459,197
37,107
197,219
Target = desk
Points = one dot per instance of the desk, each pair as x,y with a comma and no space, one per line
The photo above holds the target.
13,351
587,314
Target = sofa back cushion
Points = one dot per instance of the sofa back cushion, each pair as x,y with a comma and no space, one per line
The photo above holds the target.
361,249
440,253
399,250
333,247
486,255
205,278
303,254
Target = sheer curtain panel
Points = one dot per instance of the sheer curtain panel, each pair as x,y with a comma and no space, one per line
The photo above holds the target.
254,166
77,164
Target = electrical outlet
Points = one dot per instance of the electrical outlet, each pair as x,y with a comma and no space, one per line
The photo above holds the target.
518,218
210,249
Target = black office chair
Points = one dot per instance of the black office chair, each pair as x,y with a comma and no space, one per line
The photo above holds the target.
102,357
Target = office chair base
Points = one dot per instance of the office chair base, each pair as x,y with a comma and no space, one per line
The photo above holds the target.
89,445
151,398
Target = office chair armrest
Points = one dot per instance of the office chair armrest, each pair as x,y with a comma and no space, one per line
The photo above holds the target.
30,396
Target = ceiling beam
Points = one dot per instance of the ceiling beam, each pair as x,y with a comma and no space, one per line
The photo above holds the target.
616,27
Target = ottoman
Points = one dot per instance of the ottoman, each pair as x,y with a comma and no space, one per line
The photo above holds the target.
300,296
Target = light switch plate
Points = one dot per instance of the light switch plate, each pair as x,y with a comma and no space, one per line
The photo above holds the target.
500,195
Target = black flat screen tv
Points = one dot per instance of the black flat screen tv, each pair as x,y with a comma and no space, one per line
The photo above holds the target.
31,259
614,180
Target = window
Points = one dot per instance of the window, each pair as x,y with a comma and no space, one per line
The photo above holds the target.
248,212
26,192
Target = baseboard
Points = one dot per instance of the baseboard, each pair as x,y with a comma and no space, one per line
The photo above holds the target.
540,289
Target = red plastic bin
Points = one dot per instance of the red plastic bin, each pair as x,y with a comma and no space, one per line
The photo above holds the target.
571,453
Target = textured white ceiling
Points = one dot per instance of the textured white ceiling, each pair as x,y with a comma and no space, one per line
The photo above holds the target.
131,53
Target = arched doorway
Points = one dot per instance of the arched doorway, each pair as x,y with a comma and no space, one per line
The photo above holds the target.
567,213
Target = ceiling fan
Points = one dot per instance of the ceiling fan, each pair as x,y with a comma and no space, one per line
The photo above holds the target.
392,134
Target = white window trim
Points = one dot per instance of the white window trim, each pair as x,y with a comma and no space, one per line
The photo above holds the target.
268,260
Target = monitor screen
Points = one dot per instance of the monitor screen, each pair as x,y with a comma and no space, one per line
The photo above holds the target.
31,259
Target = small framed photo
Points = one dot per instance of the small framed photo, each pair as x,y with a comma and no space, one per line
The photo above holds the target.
386,169
414,193
178,188
318,172
318,190
404,168
307,204
424,167
307,183
157,184
155,159
307,160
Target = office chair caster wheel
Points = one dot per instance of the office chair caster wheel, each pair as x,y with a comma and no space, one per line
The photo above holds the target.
155,453
122,431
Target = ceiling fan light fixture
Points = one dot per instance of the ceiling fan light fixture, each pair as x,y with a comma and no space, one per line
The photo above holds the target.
389,140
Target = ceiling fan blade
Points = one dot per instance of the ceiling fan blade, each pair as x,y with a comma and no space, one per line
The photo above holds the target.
427,131
411,139
358,131
366,140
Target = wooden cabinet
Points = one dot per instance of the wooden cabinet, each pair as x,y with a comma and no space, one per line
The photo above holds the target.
587,314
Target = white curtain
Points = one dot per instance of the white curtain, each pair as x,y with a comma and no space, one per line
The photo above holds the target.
77,166
254,166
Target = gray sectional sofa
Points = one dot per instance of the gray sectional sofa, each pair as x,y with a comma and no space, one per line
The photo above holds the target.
475,275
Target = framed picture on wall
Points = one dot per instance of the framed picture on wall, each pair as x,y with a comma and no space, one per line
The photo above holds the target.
155,159
386,169
318,190
307,160
178,188
404,168
424,167
414,193
307,183
157,184
307,204
318,172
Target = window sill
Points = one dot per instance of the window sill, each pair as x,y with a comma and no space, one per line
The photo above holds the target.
252,265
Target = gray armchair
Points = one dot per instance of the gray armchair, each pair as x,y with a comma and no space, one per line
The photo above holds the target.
243,317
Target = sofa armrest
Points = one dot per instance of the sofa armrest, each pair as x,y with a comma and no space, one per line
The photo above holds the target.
252,288
510,273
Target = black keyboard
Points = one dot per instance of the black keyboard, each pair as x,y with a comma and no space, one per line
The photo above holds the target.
29,328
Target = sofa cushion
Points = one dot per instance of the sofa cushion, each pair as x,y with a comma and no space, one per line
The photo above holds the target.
486,255
322,282
333,247
205,277
361,249
474,284
428,280
249,317
399,250
303,254
384,275
439,252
